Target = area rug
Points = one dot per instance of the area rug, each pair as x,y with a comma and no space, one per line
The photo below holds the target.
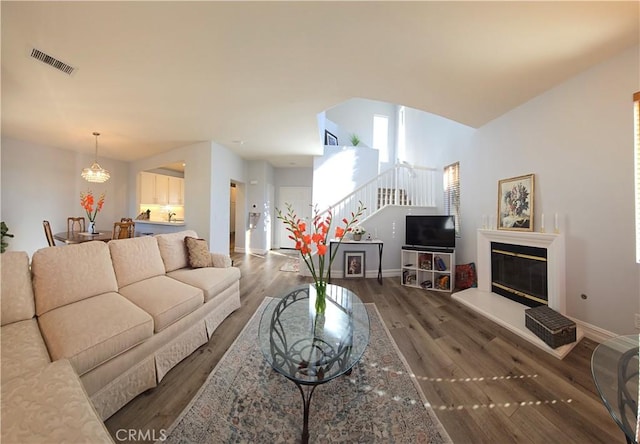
245,401
291,265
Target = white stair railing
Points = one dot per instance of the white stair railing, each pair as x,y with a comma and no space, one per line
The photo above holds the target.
402,185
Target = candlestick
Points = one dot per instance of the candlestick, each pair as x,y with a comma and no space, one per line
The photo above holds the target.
555,224
542,223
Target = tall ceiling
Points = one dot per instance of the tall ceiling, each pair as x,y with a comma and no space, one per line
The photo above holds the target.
253,76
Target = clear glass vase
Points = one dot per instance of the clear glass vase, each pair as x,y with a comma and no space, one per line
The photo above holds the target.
92,228
321,296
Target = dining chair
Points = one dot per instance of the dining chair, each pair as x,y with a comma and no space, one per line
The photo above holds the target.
126,219
76,224
123,230
48,233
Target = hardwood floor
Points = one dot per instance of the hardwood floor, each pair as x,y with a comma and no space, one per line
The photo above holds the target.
486,384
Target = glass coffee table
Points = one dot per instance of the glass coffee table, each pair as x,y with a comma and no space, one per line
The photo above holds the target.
311,350
614,366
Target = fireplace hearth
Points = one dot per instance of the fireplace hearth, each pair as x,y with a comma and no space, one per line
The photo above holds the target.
505,311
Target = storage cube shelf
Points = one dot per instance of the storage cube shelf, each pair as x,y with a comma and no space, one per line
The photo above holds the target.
428,269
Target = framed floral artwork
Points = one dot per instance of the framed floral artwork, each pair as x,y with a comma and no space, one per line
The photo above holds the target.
515,203
353,264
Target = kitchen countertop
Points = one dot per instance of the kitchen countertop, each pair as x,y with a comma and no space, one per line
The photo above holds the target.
160,222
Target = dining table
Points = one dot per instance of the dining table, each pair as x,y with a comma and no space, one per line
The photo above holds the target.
77,237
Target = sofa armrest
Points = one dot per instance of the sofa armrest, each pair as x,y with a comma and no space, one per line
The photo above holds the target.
221,260
56,397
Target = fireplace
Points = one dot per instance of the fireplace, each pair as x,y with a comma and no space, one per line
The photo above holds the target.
504,311
519,272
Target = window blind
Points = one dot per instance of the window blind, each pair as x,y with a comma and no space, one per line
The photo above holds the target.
636,126
452,193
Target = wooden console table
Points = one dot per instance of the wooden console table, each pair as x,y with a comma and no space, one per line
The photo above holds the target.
377,242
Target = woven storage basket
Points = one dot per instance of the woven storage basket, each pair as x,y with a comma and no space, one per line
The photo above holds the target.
550,326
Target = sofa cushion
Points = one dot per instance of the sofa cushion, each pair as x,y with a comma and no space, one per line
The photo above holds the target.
173,249
198,252
165,299
136,259
221,260
17,294
62,275
23,349
211,280
49,406
94,330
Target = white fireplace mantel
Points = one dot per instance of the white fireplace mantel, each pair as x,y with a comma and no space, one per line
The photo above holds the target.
508,313
554,244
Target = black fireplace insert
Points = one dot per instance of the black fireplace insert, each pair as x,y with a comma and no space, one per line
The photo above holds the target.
519,273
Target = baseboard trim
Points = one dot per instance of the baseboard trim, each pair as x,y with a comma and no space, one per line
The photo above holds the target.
594,333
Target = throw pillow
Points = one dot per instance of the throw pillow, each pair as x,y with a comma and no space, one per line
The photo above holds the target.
466,276
198,252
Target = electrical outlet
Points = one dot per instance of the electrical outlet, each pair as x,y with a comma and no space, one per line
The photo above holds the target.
638,321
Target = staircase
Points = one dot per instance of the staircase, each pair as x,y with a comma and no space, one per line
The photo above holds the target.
402,185
387,196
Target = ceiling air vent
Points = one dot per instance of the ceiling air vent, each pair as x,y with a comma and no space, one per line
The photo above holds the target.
52,61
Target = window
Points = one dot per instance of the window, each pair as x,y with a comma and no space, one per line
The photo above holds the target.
452,193
636,125
381,136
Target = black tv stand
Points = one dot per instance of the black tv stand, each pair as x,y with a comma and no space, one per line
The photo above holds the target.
424,247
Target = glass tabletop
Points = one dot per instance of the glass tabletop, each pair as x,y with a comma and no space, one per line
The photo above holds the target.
311,349
614,366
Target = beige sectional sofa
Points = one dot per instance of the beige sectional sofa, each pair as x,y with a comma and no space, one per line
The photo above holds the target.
120,314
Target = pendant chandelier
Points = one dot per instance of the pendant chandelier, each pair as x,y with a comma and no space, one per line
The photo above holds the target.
95,173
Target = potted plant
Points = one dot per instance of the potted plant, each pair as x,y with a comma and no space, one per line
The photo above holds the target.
4,231
355,140
358,231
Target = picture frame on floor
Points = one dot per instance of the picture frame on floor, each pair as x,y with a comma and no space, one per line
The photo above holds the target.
515,203
354,262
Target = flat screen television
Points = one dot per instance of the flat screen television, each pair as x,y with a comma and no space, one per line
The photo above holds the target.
430,231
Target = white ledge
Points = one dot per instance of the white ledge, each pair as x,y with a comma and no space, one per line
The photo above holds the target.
510,315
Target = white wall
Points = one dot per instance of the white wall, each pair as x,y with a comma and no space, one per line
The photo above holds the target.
197,182
226,166
355,116
429,140
293,177
431,137
260,199
209,170
578,140
43,183
340,171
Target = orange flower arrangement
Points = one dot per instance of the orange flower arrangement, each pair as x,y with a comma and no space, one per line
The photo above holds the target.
318,238
87,201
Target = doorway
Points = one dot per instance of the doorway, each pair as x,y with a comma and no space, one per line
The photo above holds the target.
232,217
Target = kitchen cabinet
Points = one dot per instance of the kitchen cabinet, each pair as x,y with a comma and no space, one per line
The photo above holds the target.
159,189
